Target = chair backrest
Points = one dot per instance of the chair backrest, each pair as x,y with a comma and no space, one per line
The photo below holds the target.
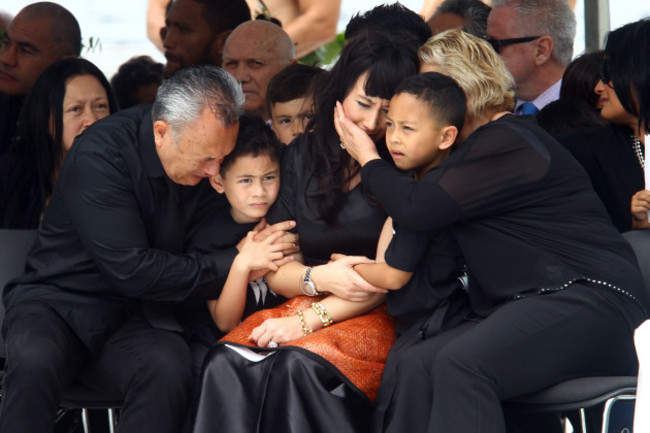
640,241
14,246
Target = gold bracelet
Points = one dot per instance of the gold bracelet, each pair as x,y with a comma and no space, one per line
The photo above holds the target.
322,314
303,324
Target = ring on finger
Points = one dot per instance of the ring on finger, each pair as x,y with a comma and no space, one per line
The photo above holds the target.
272,344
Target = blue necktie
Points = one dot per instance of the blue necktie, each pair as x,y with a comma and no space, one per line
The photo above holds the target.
528,108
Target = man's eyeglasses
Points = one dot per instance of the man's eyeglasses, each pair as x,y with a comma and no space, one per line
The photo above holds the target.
497,44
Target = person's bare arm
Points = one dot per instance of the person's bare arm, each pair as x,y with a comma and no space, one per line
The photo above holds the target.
380,273
314,26
428,8
227,310
286,329
156,20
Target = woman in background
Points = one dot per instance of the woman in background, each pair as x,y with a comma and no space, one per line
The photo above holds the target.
613,155
68,97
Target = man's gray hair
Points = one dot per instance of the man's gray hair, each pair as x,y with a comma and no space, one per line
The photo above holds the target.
183,97
547,17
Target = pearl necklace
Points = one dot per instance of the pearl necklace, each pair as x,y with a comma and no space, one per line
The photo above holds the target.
636,145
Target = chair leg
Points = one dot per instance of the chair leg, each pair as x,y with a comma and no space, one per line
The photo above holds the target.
583,421
112,420
608,408
84,420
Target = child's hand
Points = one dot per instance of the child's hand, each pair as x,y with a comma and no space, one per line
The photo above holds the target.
639,206
261,255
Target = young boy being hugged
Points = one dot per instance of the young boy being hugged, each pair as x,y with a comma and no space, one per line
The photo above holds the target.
421,269
250,179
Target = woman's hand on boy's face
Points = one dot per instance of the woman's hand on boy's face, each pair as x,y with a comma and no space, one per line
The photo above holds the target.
354,139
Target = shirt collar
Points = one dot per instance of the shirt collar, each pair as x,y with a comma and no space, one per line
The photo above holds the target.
549,95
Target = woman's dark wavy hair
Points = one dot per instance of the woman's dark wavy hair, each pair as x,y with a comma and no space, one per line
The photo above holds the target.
628,63
387,60
41,149
581,76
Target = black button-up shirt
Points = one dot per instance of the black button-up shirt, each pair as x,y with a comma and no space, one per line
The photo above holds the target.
114,233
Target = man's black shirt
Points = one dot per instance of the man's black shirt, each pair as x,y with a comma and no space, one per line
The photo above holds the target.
114,233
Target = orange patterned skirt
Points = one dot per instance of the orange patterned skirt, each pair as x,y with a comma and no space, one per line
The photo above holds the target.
357,347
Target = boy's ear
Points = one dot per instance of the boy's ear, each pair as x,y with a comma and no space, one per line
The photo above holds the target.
217,183
449,134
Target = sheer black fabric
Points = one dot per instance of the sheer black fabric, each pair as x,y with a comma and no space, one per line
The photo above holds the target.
522,210
529,226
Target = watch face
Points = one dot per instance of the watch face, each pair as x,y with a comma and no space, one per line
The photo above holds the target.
310,288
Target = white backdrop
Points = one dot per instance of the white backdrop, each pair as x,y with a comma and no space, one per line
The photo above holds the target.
120,24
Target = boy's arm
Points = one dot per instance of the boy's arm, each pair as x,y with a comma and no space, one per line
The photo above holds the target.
381,274
228,309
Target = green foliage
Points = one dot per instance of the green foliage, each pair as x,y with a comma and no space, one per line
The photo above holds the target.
93,45
326,55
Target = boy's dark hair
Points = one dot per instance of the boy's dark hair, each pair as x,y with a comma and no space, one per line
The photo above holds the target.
474,12
255,138
395,19
446,100
132,75
293,82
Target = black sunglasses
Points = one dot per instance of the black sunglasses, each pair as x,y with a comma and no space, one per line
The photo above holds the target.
497,44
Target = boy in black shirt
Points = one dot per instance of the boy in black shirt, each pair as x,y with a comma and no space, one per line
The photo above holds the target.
420,268
250,179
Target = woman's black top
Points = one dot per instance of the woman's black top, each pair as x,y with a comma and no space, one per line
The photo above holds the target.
359,222
608,156
522,210
21,205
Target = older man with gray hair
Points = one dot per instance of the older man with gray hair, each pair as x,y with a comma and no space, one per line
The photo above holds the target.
109,266
535,40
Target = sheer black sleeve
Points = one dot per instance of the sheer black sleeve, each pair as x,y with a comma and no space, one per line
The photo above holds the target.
488,174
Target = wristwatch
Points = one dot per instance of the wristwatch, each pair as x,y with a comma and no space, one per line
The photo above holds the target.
309,287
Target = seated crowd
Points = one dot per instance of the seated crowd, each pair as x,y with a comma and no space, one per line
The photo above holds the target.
400,241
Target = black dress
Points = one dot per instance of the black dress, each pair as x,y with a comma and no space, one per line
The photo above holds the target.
555,291
294,389
609,157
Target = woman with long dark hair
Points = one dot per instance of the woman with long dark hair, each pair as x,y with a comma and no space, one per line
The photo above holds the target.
331,355
68,97
613,155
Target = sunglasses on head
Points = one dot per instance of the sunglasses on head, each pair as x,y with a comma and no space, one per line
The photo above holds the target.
497,44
